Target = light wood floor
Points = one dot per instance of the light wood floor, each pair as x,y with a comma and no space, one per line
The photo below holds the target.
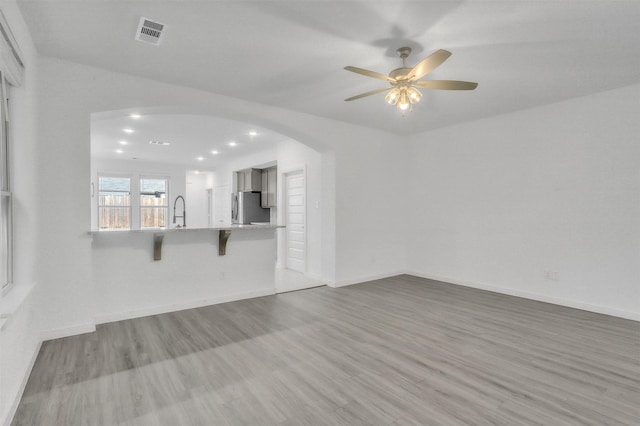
399,351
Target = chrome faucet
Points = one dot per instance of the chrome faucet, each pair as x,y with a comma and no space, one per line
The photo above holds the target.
184,213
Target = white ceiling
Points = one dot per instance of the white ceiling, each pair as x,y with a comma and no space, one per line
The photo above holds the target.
291,53
191,138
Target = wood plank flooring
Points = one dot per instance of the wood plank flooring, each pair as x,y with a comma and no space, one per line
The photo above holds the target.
398,351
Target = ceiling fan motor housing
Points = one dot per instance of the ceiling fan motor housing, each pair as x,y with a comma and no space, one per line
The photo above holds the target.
403,72
400,73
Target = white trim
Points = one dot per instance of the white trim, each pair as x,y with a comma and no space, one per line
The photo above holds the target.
12,298
138,313
11,57
68,331
342,283
533,296
23,384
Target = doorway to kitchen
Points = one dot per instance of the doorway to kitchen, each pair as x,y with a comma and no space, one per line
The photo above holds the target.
293,275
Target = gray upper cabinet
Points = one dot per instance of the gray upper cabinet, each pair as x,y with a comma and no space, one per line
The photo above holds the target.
249,180
240,181
269,182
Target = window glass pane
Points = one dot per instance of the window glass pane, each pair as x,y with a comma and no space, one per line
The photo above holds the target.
153,217
6,225
4,160
153,203
114,191
5,240
115,184
4,145
114,199
114,217
151,186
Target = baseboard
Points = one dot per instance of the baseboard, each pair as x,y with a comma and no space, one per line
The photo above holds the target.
342,283
68,331
533,296
156,310
16,402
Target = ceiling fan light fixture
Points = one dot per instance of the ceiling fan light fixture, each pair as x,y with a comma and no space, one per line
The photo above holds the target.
392,96
404,103
403,97
405,81
414,95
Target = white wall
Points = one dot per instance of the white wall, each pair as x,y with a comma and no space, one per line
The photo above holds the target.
196,197
371,187
291,155
20,334
72,92
129,283
501,201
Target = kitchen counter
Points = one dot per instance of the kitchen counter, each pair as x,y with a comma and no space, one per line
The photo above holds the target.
187,229
224,232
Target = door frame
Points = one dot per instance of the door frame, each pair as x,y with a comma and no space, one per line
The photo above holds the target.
210,206
284,175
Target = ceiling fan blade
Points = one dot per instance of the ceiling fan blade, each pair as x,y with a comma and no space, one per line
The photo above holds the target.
446,84
429,64
363,95
370,73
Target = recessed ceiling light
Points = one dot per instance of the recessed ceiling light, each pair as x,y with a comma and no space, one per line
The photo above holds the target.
200,158
215,152
123,142
135,116
159,143
119,151
127,130
232,143
253,133
197,172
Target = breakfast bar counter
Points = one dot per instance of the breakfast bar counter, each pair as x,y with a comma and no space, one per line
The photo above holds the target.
224,232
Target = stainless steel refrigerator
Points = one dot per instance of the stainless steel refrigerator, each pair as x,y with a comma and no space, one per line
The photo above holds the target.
246,208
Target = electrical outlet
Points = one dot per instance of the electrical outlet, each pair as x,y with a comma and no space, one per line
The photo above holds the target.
551,275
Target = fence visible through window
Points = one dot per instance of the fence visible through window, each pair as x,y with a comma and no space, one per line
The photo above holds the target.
114,202
154,203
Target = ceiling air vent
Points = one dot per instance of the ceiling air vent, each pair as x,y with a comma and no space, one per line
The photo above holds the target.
149,31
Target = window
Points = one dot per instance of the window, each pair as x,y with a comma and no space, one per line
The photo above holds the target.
114,202
154,203
11,73
6,217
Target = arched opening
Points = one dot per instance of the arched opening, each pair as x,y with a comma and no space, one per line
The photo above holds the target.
169,156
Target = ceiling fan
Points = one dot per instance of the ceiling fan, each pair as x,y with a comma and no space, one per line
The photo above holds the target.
405,81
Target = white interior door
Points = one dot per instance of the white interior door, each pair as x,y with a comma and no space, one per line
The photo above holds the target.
295,221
